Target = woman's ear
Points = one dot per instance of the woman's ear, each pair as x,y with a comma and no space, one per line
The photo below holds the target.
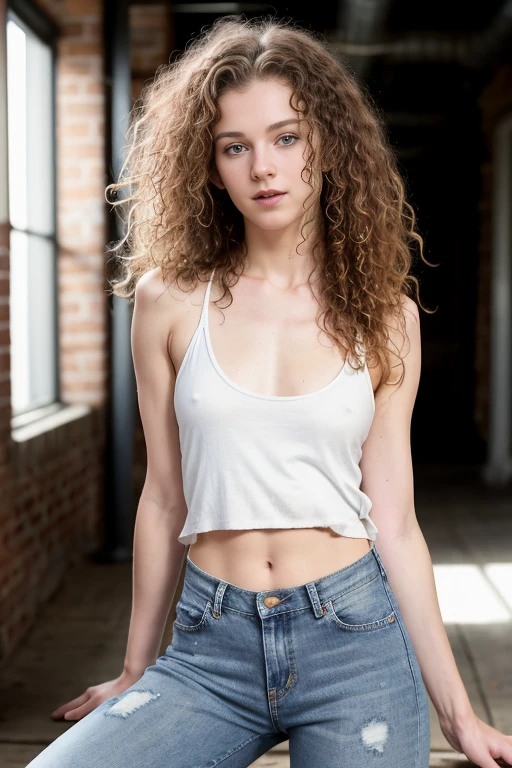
216,179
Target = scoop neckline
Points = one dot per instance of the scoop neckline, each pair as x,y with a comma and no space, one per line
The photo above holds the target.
249,392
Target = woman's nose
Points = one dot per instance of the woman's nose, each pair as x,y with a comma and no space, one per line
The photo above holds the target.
262,166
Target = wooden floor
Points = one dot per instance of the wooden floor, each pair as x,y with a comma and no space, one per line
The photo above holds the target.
79,638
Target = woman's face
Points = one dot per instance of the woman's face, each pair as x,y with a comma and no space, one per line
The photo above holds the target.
260,145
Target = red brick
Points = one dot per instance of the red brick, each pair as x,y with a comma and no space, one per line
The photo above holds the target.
76,48
56,483
82,7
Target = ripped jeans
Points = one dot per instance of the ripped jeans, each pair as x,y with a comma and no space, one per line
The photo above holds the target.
328,665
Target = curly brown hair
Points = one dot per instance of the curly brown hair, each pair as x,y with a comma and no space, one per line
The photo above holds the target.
176,218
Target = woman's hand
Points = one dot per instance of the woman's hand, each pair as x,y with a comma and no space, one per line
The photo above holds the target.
93,697
484,745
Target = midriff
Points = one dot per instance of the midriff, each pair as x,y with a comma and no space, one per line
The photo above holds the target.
275,558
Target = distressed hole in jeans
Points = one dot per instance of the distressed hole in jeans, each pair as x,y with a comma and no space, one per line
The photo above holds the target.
375,734
130,703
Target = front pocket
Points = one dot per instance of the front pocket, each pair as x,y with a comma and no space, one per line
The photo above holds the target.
385,622
191,618
362,609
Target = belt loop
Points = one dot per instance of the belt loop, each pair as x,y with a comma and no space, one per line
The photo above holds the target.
217,601
315,600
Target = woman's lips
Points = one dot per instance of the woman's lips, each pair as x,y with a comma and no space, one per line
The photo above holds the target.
267,201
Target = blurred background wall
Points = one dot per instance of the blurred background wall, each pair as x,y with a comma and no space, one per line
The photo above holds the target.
441,74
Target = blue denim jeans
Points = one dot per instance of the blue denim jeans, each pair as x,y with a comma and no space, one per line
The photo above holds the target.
328,665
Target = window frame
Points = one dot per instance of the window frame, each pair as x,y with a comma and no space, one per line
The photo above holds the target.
30,15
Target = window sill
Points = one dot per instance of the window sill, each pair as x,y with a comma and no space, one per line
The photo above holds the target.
46,419
50,432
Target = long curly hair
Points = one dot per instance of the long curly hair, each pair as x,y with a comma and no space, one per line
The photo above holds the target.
178,220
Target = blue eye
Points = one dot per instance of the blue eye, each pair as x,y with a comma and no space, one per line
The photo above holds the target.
286,136
231,147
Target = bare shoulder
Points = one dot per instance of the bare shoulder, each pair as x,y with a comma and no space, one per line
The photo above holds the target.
166,302
412,326
402,335
403,342
404,346
410,310
152,289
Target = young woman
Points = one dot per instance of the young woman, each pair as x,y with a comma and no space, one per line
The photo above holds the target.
273,425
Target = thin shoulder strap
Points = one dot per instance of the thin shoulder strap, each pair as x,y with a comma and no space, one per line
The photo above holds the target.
206,300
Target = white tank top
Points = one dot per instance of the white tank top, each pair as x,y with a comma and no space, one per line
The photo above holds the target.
263,461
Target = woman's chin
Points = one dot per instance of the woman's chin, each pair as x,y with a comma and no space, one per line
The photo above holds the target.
272,223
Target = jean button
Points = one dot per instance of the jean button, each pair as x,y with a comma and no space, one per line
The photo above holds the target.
271,601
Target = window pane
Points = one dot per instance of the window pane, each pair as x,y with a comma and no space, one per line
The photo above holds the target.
33,380
17,123
39,136
30,121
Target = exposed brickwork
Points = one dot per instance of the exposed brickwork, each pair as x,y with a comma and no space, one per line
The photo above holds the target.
53,483
151,37
152,40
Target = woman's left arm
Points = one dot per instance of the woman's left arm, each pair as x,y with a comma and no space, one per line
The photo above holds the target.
387,478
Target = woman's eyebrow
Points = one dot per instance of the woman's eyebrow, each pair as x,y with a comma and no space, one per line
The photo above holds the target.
240,135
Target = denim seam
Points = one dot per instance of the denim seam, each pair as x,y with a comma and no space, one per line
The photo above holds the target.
411,667
235,610
287,689
194,627
293,668
236,749
255,615
367,627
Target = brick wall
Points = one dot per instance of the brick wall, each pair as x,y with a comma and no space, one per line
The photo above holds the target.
152,40
51,485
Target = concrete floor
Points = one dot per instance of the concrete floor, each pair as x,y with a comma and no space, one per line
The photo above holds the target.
80,636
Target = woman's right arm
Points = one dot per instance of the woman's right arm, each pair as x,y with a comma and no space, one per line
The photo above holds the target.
157,553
